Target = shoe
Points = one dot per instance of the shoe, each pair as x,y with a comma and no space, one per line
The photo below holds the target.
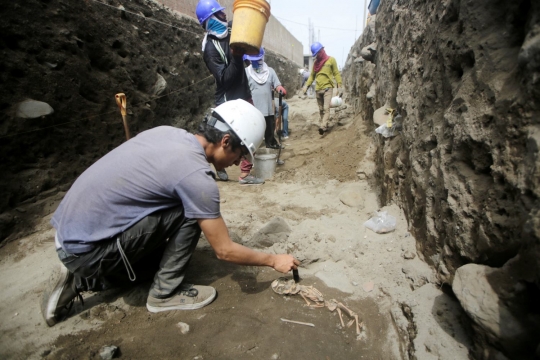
250,180
275,146
191,297
285,137
222,175
57,300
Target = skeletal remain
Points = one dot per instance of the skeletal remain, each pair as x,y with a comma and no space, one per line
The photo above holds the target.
284,286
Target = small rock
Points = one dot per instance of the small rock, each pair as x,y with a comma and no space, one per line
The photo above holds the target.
184,328
354,283
368,53
45,352
368,286
31,109
408,255
372,92
108,352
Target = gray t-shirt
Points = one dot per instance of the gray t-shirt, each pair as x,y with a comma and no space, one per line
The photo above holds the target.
262,94
158,169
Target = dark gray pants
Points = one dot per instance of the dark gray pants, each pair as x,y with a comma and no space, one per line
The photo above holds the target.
159,245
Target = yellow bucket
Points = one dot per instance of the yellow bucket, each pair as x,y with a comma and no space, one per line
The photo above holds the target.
249,21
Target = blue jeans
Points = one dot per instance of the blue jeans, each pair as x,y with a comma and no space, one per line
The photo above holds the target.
285,119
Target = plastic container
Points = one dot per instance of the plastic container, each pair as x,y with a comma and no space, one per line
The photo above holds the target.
264,165
336,101
373,5
249,22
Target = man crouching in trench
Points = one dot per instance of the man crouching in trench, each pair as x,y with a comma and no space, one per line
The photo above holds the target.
142,207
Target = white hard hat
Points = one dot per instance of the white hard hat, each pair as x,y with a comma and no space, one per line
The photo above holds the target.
245,120
336,101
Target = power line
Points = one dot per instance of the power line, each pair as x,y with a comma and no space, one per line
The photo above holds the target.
106,113
320,27
146,18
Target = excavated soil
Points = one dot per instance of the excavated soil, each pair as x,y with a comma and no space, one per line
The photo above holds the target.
301,210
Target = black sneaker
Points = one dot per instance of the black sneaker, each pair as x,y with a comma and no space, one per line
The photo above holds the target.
57,300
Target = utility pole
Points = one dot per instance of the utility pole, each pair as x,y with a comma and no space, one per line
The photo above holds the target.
355,28
309,32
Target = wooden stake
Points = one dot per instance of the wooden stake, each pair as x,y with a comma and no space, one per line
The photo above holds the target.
122,104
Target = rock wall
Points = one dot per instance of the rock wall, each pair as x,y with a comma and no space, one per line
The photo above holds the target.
75,56
464,76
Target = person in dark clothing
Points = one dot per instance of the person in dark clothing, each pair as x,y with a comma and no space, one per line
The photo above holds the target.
226,67
228,70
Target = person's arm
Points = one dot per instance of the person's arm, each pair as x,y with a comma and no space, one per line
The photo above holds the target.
225,74
217,235
276,83
308,82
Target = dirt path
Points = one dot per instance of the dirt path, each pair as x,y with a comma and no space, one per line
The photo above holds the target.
301,210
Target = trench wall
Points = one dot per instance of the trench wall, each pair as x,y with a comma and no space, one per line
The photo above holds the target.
465,167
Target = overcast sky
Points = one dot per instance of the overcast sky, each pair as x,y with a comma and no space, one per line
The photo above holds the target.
339,23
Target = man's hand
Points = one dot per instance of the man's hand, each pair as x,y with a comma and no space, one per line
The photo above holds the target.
281,89
238,52
285,263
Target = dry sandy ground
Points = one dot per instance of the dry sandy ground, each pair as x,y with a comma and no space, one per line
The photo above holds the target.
302,210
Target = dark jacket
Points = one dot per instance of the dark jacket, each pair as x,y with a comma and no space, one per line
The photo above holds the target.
231,78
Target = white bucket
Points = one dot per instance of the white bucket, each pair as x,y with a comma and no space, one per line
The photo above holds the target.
265,163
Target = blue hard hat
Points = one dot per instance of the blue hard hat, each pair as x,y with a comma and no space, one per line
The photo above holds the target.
206,8
315,48
259,56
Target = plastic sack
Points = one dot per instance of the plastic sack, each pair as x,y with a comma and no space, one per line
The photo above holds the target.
336,101
381,223
386,131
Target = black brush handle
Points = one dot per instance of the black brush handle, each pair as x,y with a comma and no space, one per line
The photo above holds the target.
296,276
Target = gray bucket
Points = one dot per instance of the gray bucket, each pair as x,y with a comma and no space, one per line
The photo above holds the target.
265,163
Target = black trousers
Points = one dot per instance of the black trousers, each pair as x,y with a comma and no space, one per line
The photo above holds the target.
269,138
159,246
